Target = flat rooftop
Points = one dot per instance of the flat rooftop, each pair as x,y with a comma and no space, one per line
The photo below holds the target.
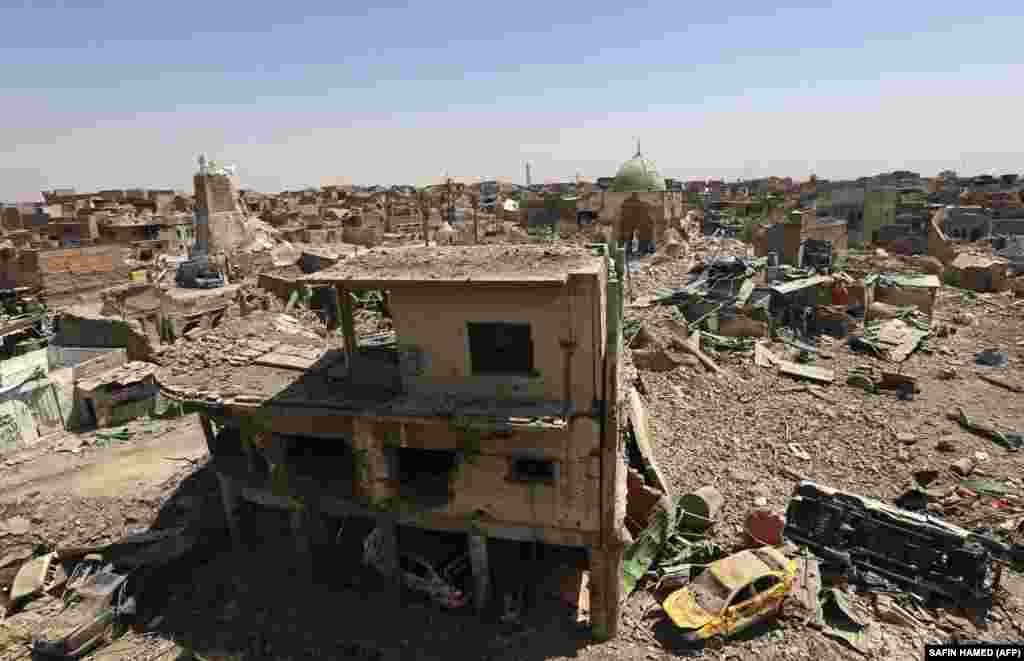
273,359
494,264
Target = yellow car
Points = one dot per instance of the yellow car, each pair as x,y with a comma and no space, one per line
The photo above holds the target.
732,594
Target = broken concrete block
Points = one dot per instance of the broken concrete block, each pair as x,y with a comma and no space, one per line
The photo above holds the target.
655,360
979,273
17,525
963,467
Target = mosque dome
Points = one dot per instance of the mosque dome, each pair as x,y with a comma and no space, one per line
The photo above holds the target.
639,175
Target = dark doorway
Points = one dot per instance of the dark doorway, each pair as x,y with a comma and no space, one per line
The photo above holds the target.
328,462
424,476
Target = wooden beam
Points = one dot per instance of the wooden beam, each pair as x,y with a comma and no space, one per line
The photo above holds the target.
1000,382
820,374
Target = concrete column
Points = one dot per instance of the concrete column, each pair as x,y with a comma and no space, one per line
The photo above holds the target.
347,324
389,566
335,302
204,421
605,591
300,530
481,570
372,470
231,497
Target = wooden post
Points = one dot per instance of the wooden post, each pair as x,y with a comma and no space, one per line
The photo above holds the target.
231,497
481,570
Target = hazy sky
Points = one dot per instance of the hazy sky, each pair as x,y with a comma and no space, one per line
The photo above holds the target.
125,94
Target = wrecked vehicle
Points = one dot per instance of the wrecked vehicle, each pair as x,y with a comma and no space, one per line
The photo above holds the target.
40,574
96,596
420,575
877,543
732,594
105,587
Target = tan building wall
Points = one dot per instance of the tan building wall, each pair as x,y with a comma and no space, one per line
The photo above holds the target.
666,209
483,487
554,314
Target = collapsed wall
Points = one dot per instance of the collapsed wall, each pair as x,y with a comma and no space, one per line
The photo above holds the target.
79,327
64,274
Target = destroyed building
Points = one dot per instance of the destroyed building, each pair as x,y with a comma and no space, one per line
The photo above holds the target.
788,239
637,203
495,413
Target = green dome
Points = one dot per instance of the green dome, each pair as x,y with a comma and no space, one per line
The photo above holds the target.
639,175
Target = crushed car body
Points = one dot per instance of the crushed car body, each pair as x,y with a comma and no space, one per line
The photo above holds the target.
94,600
732,594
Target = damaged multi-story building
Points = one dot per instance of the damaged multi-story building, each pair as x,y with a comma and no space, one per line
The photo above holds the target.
495,412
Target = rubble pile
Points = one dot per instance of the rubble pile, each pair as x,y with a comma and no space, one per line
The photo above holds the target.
416,262
918,408
238,342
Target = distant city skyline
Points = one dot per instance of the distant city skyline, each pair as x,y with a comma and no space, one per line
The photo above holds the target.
108,95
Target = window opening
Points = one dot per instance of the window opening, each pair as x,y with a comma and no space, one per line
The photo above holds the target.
500,348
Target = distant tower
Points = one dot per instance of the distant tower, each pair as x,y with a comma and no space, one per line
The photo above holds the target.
528,174
202,163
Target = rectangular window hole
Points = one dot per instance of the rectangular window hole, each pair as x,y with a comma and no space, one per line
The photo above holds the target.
500,348
425,475
530,469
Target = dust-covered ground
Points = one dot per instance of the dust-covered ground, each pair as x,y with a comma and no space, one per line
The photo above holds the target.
749,432
752,433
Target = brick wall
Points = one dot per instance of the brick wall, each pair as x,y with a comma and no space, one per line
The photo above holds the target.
96,259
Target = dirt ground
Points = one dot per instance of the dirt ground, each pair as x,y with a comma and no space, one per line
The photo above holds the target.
737,432
733,431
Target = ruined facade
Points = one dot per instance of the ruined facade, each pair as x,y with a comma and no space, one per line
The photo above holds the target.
785,238
637,203
495,414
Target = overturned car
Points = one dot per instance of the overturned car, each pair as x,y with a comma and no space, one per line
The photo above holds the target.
874,542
